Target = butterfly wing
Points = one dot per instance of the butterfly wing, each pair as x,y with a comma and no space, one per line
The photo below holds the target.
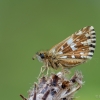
77,48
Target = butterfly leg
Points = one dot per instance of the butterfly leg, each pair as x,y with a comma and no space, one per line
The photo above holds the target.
47,69
41,71
64,70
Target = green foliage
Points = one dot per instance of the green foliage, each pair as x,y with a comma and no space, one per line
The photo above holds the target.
28,26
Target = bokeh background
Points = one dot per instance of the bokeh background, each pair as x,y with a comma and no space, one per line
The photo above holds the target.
28,26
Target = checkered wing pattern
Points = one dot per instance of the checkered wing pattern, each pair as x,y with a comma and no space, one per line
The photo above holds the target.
77,48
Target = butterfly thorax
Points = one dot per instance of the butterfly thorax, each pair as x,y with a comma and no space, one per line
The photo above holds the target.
49,59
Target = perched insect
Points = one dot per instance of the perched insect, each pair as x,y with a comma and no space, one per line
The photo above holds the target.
74,50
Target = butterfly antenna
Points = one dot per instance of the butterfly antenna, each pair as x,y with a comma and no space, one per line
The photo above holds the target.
33,58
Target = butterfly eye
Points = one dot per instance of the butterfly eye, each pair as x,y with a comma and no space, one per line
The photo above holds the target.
42,55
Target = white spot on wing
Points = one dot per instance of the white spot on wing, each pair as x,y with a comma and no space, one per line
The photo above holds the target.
83,49
93,39
79,33
83,56
91,28
69,41
62,47
89,57
63,57
60,52
53,50
93,36
90,53
93,43
73,46
73,56
84,43
84,28
87,35
92,32
77,39
81,53
91,48
89,41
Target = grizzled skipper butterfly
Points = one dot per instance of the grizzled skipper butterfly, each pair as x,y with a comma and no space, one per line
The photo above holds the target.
74,50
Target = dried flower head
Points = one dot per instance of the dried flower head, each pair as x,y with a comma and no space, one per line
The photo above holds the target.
56,87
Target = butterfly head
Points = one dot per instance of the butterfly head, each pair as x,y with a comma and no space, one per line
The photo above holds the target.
40,56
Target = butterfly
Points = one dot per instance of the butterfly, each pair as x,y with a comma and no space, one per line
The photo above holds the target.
72,51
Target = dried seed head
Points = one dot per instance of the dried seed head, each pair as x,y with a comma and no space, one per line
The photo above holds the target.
56,87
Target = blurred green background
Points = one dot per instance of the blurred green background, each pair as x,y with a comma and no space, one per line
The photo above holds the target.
28,26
